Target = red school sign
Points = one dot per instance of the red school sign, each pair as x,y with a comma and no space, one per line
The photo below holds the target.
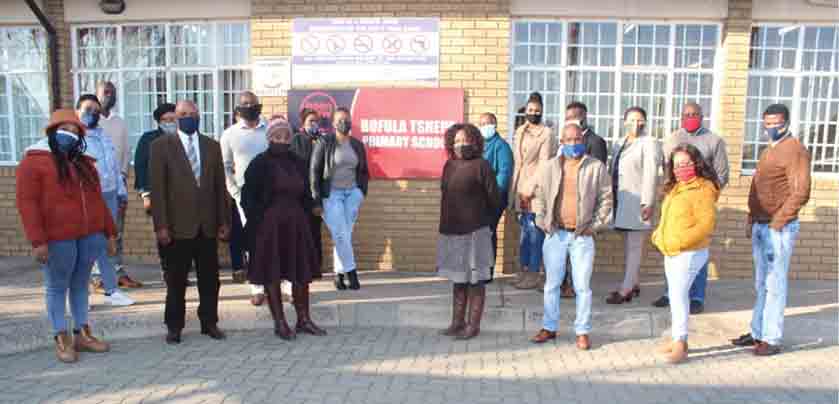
402,129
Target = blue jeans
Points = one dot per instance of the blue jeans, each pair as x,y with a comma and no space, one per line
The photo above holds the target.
558,247
340,211
68,269
105,267
772,251
532,238
697,288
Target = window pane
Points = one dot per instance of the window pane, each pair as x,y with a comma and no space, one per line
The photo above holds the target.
596,90
26,48
762,91
5,135
31,108
819,117
88,81
190,44
649,91
233,83
198,87
143,92
592,44
773,47
144,46
235,49
696,46
97,48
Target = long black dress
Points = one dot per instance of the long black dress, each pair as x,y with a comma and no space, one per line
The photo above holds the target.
276,205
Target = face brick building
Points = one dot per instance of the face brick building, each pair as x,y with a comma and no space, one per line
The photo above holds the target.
733,57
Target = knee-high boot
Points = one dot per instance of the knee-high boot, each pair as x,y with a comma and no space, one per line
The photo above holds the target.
458,311
477,296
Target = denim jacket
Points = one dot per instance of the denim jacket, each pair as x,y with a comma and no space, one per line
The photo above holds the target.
100,147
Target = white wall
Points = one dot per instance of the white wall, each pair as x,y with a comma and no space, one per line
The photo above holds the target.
637,9
793,11
17,12
78,11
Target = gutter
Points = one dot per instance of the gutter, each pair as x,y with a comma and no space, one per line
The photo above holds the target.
52,45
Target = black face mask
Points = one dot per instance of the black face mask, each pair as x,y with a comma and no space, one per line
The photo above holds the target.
534,118
250,113
343,126
278,149
466,152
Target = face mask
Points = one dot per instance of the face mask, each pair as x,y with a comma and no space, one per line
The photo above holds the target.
90,119
250,113
278,148
188,124
313,130
343,126
684,174
692,123
108,102
573,151
169,128
466,152
66,140
776,133
635,130
534,118
487,131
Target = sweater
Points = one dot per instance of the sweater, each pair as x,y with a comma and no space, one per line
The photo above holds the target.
239,145
469,196
781,183
688,216
710,145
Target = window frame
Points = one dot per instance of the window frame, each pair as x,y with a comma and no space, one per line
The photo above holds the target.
563,67
797,74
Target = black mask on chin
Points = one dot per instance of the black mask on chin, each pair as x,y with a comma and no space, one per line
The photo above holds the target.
534,118
278,148
466,152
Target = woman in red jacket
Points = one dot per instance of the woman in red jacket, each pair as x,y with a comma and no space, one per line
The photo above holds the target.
66,220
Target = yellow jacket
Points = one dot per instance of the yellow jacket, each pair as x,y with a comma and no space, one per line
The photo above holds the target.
688,216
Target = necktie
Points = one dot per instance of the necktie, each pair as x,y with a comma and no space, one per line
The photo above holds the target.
192,155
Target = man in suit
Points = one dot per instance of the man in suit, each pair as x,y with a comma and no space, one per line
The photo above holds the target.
190,212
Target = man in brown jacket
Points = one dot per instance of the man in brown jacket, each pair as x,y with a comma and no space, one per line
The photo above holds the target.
191,212
780,188
572,202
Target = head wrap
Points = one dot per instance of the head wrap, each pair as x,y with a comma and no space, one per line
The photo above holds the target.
163,109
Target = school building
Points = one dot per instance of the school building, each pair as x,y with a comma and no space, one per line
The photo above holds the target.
734,57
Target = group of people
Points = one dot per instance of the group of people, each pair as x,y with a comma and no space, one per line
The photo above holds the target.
565,190
270,190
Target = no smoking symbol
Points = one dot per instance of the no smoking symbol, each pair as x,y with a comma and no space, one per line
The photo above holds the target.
335,44
363,44
419,44
392,44
310,44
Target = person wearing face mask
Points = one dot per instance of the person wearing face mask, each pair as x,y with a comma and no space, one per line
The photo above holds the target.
55,182
499,155
276,201
712,148
634,169
338,180
167,124
302,145
191,213
115,128
683,235
534,143
780,188
99,146
240,143
572,203
468,204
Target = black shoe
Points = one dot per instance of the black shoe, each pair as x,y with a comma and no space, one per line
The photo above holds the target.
745,340
663,301
213,332
173,337
339,282
353,275
696,307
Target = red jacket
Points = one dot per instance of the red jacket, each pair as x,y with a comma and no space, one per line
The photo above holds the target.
52,212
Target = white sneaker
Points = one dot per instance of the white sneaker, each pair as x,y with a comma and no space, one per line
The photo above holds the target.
118,298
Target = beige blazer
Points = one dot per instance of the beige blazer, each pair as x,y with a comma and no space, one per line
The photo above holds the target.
532,145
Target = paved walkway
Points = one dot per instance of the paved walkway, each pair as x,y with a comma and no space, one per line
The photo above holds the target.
383,348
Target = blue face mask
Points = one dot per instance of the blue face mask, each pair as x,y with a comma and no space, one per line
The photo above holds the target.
313,130
66,140
488,131
90,119
188,124
776,133
574,151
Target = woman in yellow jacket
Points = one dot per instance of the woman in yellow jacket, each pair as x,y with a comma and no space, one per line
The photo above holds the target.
688,216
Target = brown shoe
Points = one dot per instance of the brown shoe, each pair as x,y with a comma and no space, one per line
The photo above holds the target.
97,286
543,336
86,342
477,298
64,350
125,281
567,292
302,306
766,349
665,346
458,311
258,299
583,342
618,298
530,281
678,352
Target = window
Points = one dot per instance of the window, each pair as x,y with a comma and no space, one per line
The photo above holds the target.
207,62
24,92
611,66
797,66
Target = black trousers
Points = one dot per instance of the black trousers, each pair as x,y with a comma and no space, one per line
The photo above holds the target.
180,255
315,222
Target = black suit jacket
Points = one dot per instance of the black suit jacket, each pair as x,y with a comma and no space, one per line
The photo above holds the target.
595,145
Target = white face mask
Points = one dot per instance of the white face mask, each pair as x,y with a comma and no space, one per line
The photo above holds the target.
487,131
169,128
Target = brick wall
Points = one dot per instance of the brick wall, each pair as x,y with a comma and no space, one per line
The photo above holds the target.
397,228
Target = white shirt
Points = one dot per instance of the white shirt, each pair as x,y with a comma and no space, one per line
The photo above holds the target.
239,146
186,140
117,130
